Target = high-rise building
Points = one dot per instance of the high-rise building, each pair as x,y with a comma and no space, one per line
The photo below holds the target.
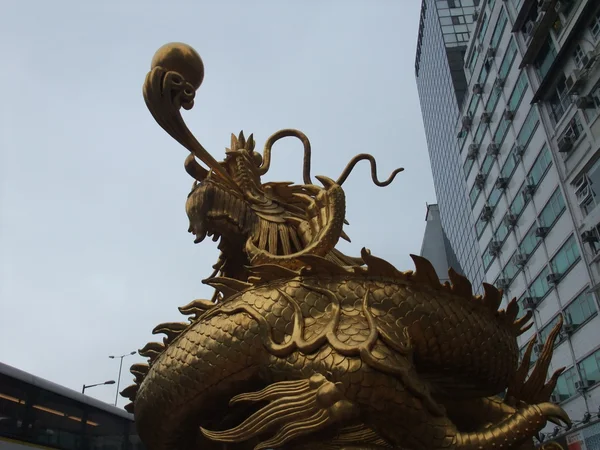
529,146
442,41
436,247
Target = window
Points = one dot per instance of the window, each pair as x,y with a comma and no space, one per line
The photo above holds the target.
501,233
565,385
473,105
530,242
592,112
587,190
574,129
581,309
473,60
545,332
517,4
484,27
559,101
480,133
490,106
474,195
511,270
595,27
509,166
566,257
509,57
578,55
501,131
467,165
546,56
533,357
540,287
553,209
518,92
483,74
487,257
486,165
499,29
462,137
480,225
528,128
518,204
34,415
494,197
590,368
540,166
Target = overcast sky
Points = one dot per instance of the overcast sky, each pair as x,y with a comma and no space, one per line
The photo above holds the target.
94,249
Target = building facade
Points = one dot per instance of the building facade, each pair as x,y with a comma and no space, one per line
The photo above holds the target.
529,146
444,32
436,247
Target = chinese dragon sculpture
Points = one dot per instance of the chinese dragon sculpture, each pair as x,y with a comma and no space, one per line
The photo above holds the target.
304,347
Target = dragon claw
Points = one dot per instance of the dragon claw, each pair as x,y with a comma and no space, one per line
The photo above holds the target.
295,408
554,414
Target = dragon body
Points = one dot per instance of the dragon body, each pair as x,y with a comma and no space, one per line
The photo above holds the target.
303,347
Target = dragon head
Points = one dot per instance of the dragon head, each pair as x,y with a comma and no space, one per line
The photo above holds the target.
254,222
257,222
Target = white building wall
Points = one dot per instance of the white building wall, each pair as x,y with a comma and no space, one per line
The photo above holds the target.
565,172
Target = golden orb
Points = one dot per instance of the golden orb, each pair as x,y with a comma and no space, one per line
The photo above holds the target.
182,59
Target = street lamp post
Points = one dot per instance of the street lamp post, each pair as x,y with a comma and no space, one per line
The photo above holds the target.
97,384
120,367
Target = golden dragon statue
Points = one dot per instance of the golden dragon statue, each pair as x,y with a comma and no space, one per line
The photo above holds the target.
304,347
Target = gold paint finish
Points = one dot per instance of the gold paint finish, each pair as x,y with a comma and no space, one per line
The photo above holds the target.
303,347
180,58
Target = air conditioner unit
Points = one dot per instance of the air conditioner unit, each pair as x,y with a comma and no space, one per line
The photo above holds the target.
477,88
486,117
589,237
476,15
520,259
568,328
544,4
580,386
529,191
493,149
502,283
588,60
519,151
491,52
510,220
467,121
529,28
487,213
508,114
553,278
499,83
582,190
573,81
530,303
479,180
501,183
555,398
584,102
495,247
565,143
541,232
473,151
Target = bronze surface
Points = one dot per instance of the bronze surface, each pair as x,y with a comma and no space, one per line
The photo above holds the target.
303,347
